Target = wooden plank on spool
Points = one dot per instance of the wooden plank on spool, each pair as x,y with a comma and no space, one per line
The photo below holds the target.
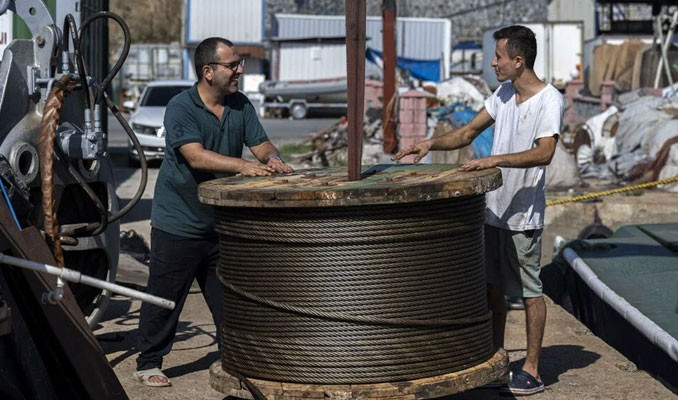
425,388
380,184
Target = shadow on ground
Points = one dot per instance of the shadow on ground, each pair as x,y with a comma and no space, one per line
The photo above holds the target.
124,339
554,361
200,364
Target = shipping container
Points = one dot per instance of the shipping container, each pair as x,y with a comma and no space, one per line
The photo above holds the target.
308,59
240,21
559,52
417,38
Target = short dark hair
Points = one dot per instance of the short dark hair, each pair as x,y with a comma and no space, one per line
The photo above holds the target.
520,42
206,52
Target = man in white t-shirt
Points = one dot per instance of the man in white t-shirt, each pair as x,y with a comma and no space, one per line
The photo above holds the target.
527,114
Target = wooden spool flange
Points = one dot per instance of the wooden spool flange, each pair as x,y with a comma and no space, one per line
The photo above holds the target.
426,388
381,184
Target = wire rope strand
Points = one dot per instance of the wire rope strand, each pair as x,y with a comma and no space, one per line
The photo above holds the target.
349,295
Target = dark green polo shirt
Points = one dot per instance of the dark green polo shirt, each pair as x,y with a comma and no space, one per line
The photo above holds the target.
176,208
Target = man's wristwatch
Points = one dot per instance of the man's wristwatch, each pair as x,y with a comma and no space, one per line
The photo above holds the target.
274,158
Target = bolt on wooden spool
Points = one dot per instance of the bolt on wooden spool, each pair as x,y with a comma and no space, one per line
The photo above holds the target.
398,186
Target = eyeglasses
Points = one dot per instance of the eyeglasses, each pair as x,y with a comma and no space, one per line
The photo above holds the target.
233,66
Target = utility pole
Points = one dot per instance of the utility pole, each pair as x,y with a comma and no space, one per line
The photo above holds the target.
356,19
388,14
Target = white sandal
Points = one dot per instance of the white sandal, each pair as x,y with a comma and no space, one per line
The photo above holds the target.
145,376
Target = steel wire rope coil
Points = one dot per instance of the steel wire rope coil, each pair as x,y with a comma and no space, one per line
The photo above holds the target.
354,295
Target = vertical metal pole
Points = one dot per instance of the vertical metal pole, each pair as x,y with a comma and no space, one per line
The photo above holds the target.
355,74
96,51
388,14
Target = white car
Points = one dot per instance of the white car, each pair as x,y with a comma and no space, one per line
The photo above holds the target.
147,119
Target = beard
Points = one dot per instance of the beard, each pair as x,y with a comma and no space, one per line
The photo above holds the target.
226,85
233,84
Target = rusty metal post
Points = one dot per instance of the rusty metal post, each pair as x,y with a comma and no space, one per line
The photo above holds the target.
388,15
355,73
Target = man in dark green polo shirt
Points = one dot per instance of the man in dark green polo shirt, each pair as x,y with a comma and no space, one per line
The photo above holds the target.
206,128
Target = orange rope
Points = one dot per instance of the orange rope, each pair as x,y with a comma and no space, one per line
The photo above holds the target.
48,125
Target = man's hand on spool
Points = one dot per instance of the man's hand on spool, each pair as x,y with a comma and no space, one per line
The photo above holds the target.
279,165
249,168
481,163
420,149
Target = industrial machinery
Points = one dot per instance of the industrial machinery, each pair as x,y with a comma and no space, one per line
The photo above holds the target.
59,214
54,162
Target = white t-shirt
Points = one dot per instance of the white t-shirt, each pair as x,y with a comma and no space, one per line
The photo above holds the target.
519,203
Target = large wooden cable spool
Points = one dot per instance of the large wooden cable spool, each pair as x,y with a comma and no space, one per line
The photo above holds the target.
337,284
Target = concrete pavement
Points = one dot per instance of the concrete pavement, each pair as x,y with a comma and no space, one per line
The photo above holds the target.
575,364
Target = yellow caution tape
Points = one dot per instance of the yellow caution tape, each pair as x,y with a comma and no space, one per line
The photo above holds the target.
611,192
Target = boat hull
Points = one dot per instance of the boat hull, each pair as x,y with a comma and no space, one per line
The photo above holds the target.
325,91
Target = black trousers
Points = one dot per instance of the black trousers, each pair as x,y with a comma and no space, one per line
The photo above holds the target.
175,262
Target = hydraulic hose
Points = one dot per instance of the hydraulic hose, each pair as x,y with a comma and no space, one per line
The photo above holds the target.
69,24
93,229
125,49
102,96
142,160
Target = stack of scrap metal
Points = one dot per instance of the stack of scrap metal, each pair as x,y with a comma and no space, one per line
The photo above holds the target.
636,141
330,146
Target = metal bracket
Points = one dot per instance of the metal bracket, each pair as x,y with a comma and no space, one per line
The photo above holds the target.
4,5
56,295
34,13
32,76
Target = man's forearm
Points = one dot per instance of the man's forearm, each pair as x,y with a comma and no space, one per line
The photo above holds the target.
536,157
215,162
264,151
526,159
452,140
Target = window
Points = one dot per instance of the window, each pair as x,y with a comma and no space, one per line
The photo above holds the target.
159,96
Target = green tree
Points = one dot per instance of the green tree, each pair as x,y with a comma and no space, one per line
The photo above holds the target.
150,21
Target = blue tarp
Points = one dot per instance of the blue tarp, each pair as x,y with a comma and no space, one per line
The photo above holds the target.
459,115
428,70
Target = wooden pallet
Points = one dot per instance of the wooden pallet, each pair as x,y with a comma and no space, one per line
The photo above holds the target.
425,388
381,184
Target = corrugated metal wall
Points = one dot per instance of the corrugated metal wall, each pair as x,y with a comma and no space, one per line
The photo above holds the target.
241,21
420,38
304,61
